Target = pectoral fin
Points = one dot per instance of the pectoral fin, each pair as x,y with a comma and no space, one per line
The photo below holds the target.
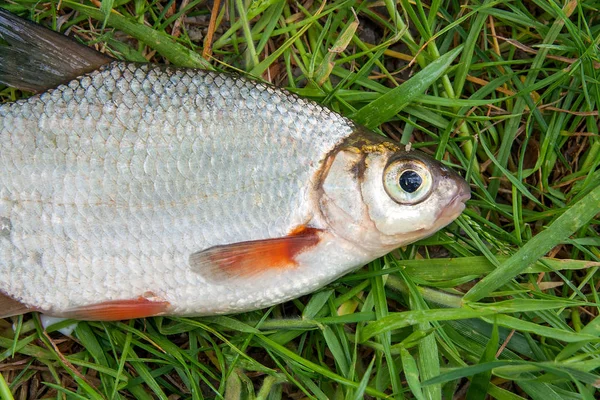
248,259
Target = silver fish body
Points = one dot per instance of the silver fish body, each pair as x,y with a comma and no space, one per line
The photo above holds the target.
111,183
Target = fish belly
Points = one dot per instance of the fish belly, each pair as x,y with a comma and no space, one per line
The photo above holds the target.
110,182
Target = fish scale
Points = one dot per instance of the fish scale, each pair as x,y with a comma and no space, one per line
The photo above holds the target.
110,181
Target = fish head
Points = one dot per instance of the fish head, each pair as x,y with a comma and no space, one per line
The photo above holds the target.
380,196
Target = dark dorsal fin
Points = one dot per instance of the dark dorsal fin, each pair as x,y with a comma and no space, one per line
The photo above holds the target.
35,58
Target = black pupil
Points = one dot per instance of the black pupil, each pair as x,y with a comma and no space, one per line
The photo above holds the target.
410,181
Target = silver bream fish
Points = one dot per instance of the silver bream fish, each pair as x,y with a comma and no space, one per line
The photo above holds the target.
137,190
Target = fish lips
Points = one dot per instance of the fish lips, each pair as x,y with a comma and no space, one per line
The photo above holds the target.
456,205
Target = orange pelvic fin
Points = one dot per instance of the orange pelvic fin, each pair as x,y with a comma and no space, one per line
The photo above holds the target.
10,307
247,259
117,310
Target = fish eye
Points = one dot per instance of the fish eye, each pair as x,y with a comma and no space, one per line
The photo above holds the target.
407,181
410,181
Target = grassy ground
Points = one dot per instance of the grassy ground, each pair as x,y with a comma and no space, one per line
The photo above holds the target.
475,311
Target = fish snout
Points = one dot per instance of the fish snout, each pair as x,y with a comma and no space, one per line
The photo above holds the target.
456,205
464,192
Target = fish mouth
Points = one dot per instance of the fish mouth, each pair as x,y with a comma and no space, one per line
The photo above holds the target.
456,206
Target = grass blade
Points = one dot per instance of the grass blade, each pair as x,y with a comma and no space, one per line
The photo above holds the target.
161,42
392,102
411,372
480,383
5,393
360,391
564,226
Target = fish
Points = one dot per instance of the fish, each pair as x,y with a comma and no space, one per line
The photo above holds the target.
133,190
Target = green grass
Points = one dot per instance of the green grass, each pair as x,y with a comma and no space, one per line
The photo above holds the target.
502,304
